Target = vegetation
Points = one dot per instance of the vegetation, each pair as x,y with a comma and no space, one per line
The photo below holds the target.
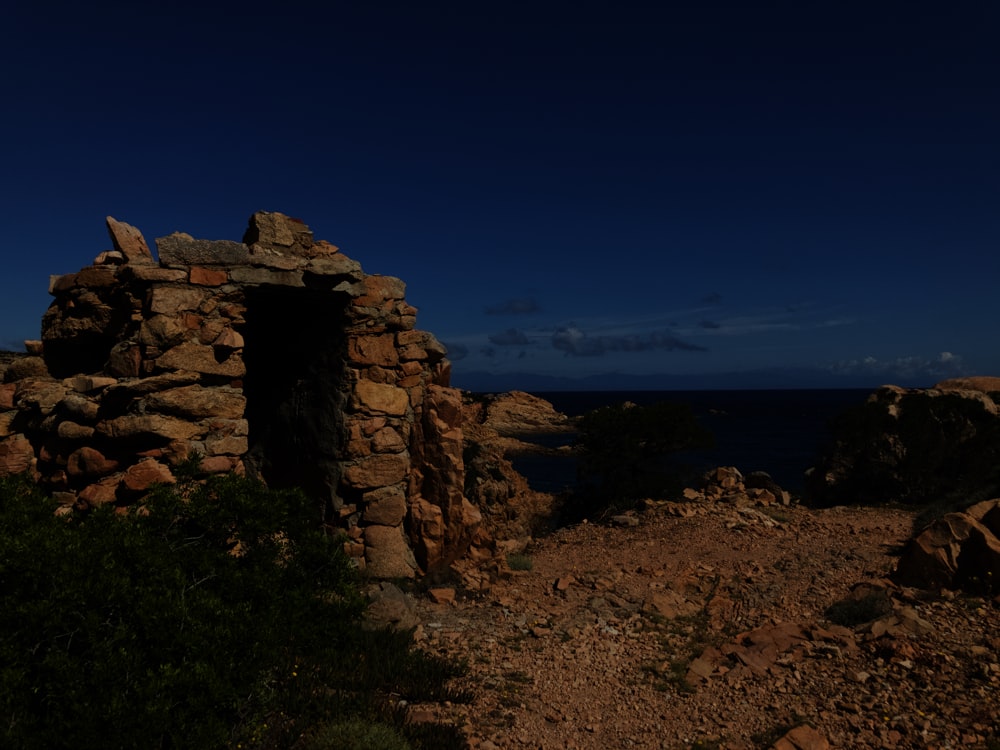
519,561
214,616
625,453
942,453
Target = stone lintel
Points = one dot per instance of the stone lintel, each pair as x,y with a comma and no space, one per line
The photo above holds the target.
180,250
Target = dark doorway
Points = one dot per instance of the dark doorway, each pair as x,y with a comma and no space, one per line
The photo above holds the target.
295,349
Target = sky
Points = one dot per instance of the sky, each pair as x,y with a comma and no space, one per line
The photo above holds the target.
578,195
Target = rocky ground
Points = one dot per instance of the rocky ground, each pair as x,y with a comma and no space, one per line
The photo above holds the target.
707,625
736,619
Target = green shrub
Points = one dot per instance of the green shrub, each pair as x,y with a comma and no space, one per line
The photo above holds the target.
625,453
214,616
356,734
519,561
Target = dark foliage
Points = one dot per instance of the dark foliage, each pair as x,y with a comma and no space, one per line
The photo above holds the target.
943,450
625,453
217,616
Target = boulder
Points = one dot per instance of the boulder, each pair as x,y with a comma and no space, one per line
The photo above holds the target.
957,551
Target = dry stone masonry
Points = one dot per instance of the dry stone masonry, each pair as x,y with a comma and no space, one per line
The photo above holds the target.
277,357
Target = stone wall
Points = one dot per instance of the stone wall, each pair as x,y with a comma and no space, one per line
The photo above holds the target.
277,357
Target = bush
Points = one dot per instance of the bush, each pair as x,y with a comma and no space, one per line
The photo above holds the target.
214,616
625,452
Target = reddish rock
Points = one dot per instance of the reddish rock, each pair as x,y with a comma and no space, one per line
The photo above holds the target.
16,455
377,471
378,398
200,358
373,350
387,554
441,595
385,506
802,737
89,462
101,492
7,395
141,476
148,425
958,550
207,276
194,402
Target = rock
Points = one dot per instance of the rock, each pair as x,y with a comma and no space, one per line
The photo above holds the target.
194,402
16,455
180,249
441,595
385,506
885,450
26,367
958,550
376,398
277,232
89,462
378,471
129,241
102,492
387,554
199,358
802,737
139,477
521,413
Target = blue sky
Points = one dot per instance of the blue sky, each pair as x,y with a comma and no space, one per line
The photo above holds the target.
665,195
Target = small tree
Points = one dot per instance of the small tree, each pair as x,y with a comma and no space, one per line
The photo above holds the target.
625,452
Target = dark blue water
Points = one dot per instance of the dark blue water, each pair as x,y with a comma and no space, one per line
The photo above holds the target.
780,432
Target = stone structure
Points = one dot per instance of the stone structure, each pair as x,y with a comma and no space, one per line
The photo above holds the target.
276,356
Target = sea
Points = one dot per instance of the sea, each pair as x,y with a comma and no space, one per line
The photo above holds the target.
782,432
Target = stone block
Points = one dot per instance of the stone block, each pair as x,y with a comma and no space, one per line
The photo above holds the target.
373,350
379,470
380,398
208,276
197,402
180,249
129,241
266,277
16,455
335,265
132,426
173,300
385,506
387,553
201,358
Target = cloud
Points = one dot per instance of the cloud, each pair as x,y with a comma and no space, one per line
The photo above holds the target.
710,324
456,352
944,365
575,342
510,337
517,306
712,298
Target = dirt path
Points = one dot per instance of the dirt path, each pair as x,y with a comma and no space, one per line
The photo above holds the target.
705,626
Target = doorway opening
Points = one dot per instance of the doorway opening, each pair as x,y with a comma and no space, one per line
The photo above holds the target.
295,351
